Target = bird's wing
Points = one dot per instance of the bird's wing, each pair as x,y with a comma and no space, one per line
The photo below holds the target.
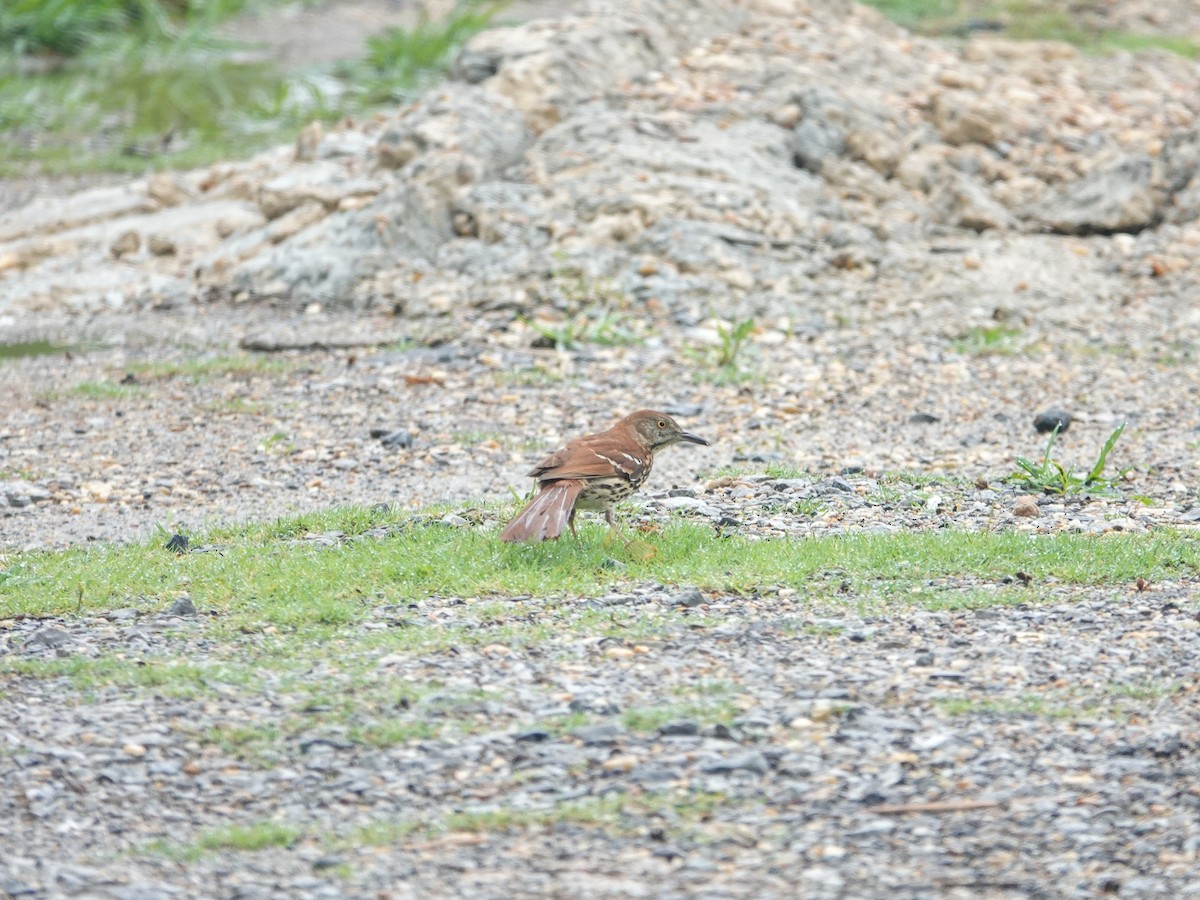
591,457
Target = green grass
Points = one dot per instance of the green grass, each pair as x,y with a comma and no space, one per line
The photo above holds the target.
995,339
201,369
732,339
1050,476
531,376
401,59
597,326
246,838
617,813
142,84
284,616
165,677
1150,690
1071,703
237,406
97,390
1027,705
32,348
604,812
651,719
724,363
1056,20
779,471
1132,42
196,371
258,574
70,27
620,814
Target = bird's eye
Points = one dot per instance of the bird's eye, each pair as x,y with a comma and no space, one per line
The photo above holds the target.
662,424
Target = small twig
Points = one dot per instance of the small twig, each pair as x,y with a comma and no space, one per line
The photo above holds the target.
934,806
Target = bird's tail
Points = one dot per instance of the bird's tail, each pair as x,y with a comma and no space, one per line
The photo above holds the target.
548,515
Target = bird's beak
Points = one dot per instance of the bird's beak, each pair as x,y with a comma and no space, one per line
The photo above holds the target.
692,438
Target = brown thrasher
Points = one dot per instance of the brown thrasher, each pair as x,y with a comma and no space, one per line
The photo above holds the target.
595,471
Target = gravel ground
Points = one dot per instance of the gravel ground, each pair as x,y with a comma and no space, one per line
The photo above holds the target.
1045,751
265,435
754,746
657,741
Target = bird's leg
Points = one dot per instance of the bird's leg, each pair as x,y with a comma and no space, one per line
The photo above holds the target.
610,516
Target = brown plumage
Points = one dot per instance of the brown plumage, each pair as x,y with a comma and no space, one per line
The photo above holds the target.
595,471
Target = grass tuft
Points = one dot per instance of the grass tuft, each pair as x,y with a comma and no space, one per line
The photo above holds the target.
250,838
995,339
1051,477
400,58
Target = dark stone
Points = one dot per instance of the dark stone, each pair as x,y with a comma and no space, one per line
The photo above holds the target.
310,744
401,439
474,66
750,761
832,486
1047,421
601,735
923,418
535,736
690,598
178,544
681,728
719,731
183,606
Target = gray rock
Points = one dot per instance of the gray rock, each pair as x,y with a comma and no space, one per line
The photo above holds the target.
322,183
47,638
690,598
964,117
965,203
679,503
750,761
400,439
604,734
183,606
831,125
483,131
1118,197
820,135
323,262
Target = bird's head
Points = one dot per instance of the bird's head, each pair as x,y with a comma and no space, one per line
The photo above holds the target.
656,430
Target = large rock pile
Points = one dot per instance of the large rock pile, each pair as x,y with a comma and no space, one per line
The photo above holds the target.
749,154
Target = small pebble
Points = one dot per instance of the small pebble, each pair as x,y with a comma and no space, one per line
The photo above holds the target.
1025,506
1047,421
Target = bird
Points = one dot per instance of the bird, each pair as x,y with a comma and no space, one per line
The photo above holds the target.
595,472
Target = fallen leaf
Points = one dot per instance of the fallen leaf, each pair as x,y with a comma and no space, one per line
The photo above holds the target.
641,550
